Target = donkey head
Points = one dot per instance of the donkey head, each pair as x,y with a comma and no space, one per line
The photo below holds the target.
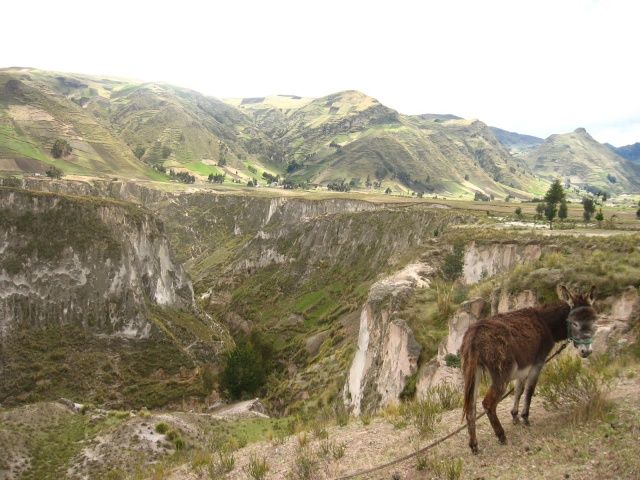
582,318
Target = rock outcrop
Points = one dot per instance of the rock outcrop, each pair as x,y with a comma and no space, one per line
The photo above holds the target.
387,352
482,261
614,326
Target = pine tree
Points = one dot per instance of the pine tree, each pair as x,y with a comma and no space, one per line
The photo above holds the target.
589,207
553,197
563,211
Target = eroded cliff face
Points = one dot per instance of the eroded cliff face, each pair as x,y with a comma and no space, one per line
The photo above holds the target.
482,261
387,352
92,263
94,307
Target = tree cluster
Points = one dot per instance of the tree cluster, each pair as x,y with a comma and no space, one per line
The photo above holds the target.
183,177
60,148
216,178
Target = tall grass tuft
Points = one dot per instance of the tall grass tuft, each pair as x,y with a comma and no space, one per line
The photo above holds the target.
257,468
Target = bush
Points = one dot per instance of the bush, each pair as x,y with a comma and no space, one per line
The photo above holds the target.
341,413
139,151
454,262
60,148
257,468
162,428
11,182
224,464
566,383
179,443
452,360
54,172
244,371
446,396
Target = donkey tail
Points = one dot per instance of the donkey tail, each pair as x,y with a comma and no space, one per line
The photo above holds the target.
470,374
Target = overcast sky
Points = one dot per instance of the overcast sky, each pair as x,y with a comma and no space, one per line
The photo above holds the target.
537,67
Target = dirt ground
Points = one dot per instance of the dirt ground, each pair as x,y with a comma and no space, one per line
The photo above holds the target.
552,447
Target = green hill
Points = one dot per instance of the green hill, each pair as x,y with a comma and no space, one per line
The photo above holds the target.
351,137
137,130
517,143
118,127
582,161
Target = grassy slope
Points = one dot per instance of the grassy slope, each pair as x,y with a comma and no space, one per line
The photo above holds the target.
350,136
578,157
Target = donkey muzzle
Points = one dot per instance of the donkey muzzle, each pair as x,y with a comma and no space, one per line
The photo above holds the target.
584,350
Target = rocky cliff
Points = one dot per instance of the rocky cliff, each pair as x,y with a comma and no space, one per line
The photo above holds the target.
387,352
84,262
87,286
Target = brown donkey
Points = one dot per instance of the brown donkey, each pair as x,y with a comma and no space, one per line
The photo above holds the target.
514,346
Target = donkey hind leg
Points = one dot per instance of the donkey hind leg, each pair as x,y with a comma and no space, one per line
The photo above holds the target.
529,388
490,402
471,419
516,401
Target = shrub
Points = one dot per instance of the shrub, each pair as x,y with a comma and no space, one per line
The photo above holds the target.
452,360
453,264
244,370
338,450
223,465
60,148
444,298
179,443
54,172
139,151
566,383
11,182
303,439
257,468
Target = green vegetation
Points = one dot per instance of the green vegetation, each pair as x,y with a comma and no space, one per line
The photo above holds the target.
567,383
61,148
554,196
257,468
54,172
244,370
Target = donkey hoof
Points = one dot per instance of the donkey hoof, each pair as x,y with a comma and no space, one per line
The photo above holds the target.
525,421
502,439
515,419
474,449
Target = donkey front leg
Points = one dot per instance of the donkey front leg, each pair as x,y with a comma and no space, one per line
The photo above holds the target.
529,388
490,402
516,401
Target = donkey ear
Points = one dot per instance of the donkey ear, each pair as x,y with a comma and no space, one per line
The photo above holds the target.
564,294
591,296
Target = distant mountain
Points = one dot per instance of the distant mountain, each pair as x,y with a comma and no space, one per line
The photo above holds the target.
351,137
132,129
117,127
579,159
517,143
630,152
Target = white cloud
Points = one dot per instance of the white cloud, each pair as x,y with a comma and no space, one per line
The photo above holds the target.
536,67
